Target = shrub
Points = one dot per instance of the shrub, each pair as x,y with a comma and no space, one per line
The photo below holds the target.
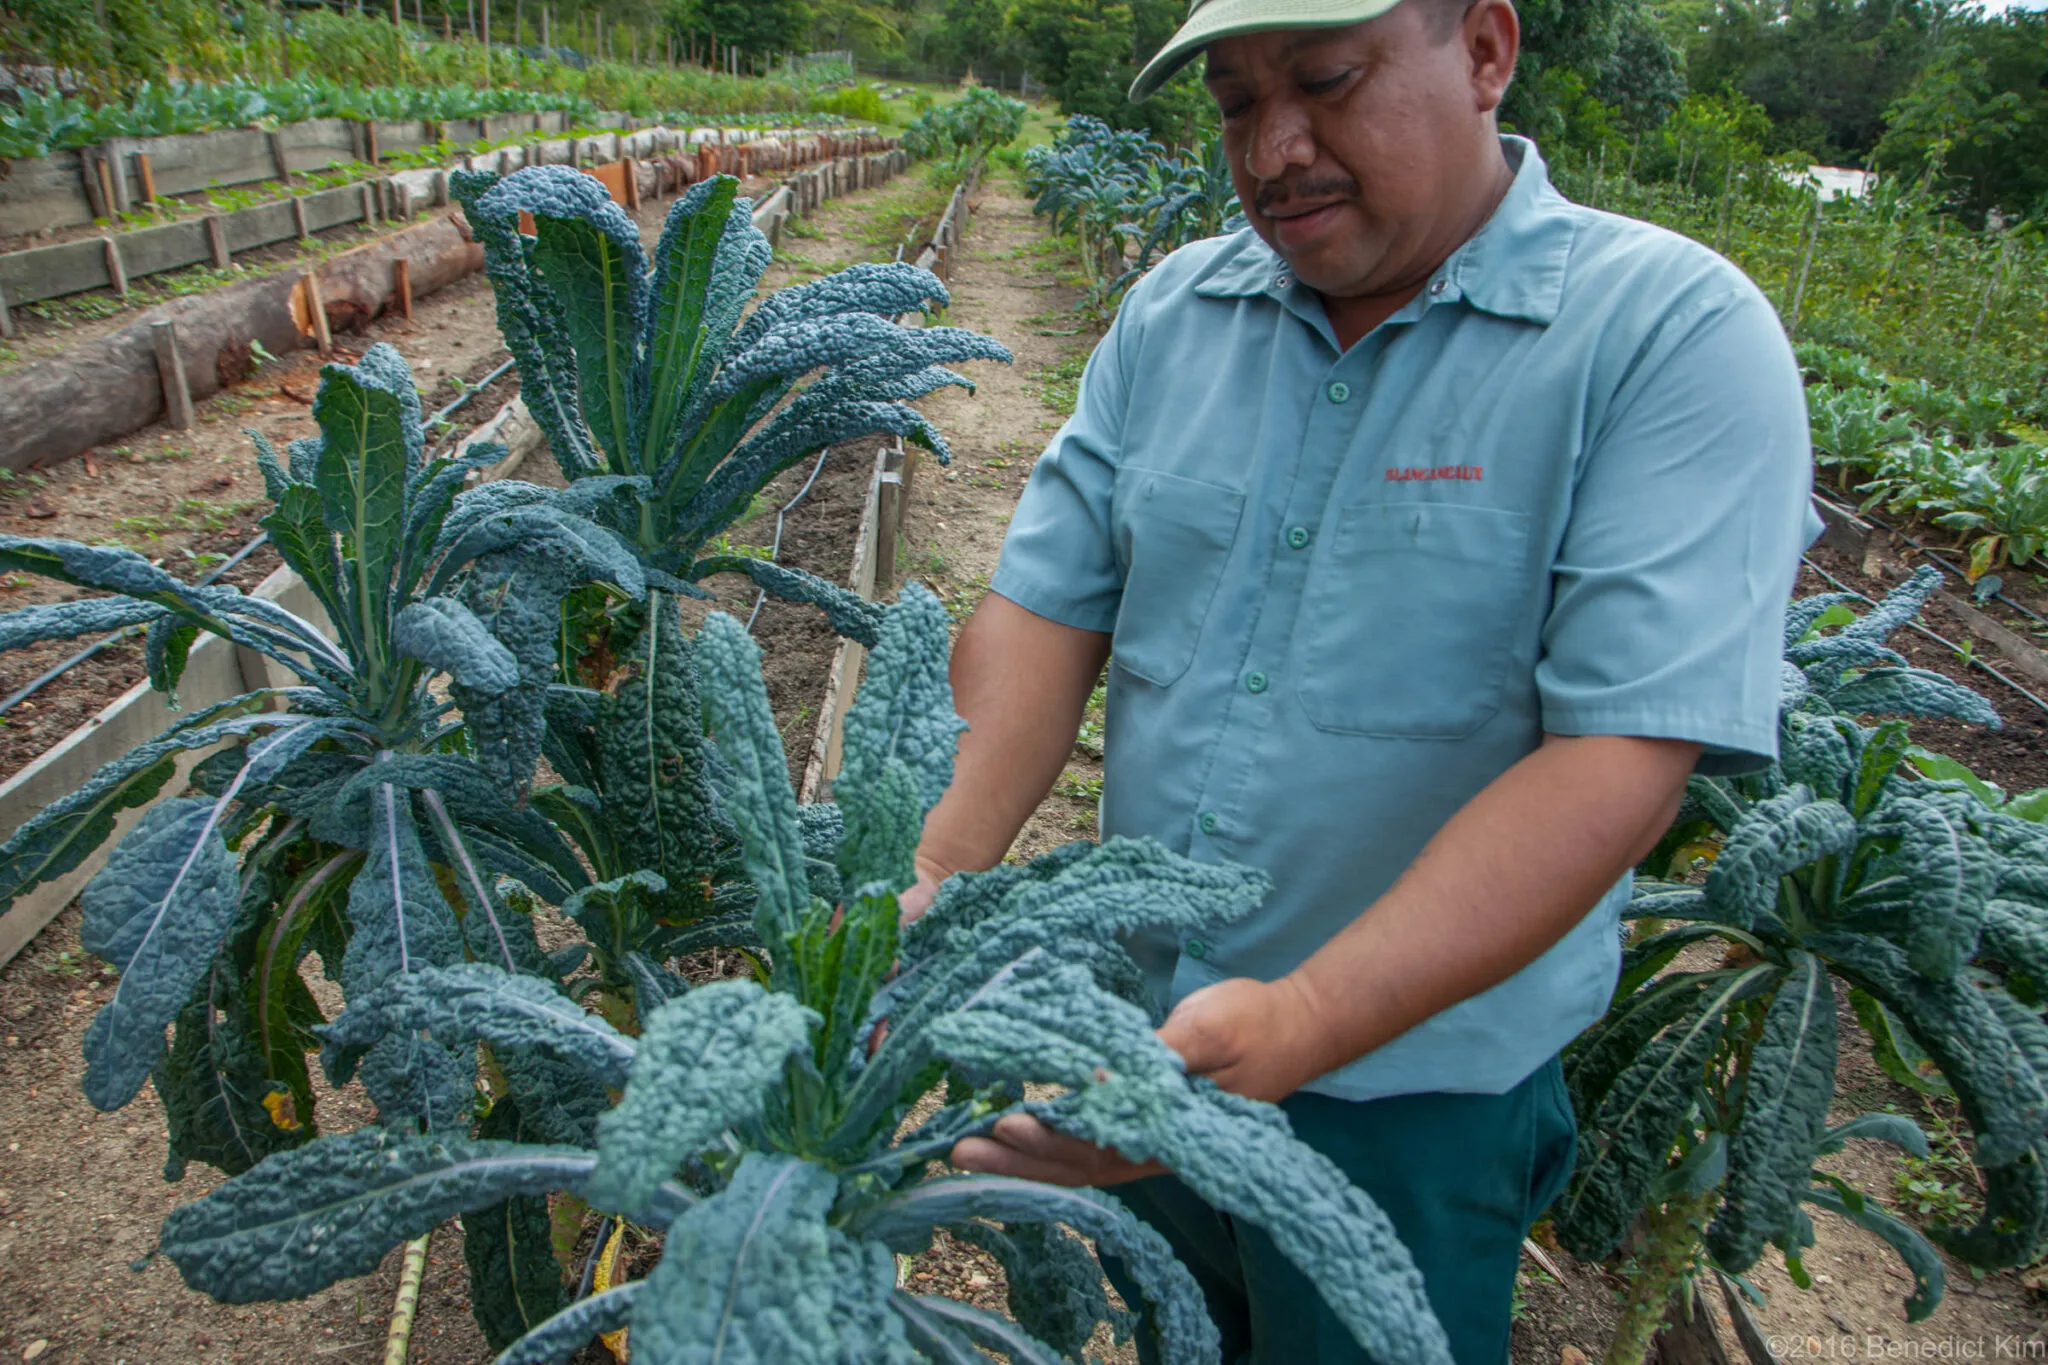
857,103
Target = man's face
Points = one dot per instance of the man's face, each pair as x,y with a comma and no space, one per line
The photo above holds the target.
1356,151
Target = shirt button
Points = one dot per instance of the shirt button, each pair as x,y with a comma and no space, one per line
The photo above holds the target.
1282,280
1339,391
1438,286
1208,822
1297,536
1255,683
1197,948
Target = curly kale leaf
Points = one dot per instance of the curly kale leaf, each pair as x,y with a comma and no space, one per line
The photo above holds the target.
328,1211
650,749
707,1061
1783,1117
558,1340
515,1283
1051,1023
1625,1146
755,792
1178,1317
402,925
2003,1092
1776,836
754,1275
468,1002
447,637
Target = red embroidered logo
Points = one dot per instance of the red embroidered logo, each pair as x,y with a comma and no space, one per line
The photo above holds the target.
1471,473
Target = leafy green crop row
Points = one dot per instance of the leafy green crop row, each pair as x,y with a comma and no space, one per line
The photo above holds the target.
1111,187
45,123
1929,452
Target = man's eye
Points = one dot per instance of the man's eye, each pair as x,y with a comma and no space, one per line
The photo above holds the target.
1322,85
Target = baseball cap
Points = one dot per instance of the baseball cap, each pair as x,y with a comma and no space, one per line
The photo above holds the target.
1209,20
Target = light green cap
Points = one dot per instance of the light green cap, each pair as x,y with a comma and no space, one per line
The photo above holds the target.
1209,20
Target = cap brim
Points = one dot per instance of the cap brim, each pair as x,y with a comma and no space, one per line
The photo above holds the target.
1229,18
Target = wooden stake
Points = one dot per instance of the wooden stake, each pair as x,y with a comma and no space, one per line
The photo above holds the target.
170,367
6,318
315,306
370,141
217,241
117,170
92,174
632,177
299,217
401,285
117,273
278,159
366,194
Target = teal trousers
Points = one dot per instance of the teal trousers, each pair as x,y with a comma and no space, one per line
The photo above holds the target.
1462,1176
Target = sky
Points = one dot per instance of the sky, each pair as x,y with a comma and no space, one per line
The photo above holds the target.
1999,6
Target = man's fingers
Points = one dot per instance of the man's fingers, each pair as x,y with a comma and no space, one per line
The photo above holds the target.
1021,1146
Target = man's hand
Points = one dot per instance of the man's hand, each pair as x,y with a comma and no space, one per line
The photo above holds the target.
1254,1038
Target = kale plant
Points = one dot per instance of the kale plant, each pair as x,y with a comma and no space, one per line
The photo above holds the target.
351,820
1703,1095
764,1129
664,403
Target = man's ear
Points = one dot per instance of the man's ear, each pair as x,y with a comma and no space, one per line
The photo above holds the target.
1492,34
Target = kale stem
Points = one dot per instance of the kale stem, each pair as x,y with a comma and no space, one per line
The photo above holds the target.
1673,1232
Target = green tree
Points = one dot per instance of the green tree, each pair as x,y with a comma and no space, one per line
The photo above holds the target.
1087,54
758,28
1824,70
1975,119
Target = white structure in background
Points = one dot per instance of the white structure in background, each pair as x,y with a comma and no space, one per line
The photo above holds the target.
1834,182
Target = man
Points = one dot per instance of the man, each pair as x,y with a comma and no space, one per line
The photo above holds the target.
1436,529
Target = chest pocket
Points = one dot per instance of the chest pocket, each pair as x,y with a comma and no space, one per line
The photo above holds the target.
1410,617
1173,535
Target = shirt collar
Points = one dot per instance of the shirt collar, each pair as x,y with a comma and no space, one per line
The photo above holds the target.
1514,266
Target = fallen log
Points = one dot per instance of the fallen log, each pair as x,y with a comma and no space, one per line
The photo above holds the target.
105,389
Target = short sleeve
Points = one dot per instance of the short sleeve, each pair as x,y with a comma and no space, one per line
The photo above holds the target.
1058,560
1690,511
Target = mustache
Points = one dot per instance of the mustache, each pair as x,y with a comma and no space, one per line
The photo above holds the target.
1328,187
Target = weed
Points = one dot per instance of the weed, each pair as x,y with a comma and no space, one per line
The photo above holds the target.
801,229
1059,386
1078,788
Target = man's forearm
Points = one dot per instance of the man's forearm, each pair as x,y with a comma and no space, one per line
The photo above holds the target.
1021,682
1505,879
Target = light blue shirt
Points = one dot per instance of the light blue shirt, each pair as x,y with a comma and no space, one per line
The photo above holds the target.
1563,489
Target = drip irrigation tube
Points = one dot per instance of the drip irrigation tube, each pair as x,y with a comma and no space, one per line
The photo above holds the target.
1950,645
58,670
1933,557
775,552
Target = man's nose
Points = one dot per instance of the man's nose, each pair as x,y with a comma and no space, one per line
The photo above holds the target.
1280,137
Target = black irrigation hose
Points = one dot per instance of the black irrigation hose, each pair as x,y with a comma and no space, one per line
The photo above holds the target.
775,553
56,671
1933,558
1950,645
